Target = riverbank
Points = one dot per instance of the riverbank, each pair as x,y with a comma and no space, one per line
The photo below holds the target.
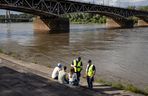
21,81
31,69
120,55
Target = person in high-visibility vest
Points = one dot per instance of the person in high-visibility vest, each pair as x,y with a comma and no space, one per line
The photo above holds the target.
79,68
74,64
77,65
90,72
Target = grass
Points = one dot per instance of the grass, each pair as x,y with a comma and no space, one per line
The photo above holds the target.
12,54
1,51
117,85
146,89
49,66
127,87
35,62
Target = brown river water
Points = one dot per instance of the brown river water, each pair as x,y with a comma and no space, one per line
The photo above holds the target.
118,54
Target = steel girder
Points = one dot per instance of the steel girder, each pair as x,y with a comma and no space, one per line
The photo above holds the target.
59,7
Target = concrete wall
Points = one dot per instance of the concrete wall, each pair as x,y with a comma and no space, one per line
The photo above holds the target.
53,25
142,23
39,24
111,23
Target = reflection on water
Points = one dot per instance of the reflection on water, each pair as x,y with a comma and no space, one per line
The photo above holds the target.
119,54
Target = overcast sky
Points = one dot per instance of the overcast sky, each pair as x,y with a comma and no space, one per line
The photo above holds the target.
118,3
122,3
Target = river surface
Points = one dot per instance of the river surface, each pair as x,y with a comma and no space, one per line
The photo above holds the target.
118,54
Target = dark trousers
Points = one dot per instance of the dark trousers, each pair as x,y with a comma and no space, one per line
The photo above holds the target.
78,76
90,82
56,78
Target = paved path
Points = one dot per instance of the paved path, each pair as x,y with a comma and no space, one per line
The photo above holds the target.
18,78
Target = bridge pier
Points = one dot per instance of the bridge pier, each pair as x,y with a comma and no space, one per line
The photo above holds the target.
52,24
112,23
142,23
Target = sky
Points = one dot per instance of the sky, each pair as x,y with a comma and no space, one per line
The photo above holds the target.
121,3
118,3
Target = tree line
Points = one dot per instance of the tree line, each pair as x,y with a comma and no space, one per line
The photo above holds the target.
84,18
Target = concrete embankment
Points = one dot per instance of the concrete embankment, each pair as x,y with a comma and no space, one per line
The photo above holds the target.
18,78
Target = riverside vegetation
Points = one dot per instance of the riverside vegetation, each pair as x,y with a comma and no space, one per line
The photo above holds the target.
85,18
117,85
127,87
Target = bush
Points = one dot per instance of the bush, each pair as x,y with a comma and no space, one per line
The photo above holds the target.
1,51
117,85
83,18
132,88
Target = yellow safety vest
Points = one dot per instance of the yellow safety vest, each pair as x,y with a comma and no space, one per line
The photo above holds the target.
75,65
79,67
90,71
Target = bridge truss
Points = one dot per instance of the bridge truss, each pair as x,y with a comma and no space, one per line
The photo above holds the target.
59,7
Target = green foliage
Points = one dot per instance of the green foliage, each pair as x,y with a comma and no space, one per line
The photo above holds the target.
131,7
146,90
144,8
49,66
1,51
135,19
117,85
83,18
132,88
128,87
35,62
100,81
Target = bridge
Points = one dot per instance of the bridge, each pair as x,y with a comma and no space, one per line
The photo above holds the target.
50,13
